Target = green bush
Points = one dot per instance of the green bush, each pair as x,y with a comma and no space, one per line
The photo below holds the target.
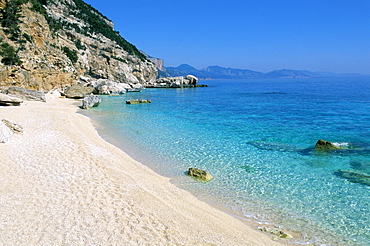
10,18
71,54
9,55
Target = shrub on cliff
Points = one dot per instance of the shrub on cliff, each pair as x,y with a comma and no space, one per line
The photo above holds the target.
9,55
71,54
10,18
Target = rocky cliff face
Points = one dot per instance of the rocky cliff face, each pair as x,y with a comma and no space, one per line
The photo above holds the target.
57,41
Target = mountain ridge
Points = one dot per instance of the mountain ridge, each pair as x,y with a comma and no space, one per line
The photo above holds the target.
218,72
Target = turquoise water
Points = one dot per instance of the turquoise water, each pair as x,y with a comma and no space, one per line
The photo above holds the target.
256,137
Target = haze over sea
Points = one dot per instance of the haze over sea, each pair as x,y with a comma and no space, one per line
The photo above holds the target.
257,137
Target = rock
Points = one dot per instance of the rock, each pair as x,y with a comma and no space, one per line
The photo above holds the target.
199,174
6,100
55,93
136,88
174,82
325,145
14,127
277,232
5,133
354,176
107,87
192,79
78,91
90,101
137,101
26,94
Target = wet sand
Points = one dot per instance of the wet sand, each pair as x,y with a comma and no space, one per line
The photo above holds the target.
62,184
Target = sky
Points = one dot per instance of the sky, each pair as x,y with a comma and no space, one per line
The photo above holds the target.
261,35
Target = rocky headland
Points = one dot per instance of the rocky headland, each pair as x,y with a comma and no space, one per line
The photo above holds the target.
50,44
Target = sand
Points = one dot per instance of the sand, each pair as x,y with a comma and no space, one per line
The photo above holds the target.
62,184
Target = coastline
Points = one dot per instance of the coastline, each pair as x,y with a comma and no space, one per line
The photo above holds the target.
63,184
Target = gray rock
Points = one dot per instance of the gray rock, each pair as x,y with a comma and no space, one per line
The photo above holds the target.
6,100
107,87
199,174
14,127
90,101
78,91
5,133
325,146
192,79
175,82
137,101
26,94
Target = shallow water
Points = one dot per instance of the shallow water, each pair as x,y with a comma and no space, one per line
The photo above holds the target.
256,137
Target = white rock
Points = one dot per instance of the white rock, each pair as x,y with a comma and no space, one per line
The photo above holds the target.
5,133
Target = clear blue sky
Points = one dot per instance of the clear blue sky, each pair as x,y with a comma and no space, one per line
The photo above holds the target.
262,35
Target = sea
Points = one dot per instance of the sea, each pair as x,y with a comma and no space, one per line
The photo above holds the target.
257,138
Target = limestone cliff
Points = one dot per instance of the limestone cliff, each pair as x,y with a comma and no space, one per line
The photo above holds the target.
47,44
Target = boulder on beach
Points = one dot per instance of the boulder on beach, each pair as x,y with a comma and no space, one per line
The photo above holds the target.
5,133
199,174
325,146
26,94
78,91
6,100
137,101
90,101
14,127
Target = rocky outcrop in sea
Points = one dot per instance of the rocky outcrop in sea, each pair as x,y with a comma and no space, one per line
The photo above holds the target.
175,82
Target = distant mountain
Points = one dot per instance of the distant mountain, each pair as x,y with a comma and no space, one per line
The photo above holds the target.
217,72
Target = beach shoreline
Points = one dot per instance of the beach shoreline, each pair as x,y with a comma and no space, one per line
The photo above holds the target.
63,184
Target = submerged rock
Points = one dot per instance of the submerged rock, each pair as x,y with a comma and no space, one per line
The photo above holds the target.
354,176
26,94
6,100
325,145
199,174
90,101
137,101
277,232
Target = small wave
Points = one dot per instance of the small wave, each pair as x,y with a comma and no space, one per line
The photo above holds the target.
343,145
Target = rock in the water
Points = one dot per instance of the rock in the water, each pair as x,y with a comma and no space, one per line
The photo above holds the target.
325,145
354,176
14,127
5,133
199,174
174,82
90,101
277,232
26,94
137,101
78,91
192,79
6,100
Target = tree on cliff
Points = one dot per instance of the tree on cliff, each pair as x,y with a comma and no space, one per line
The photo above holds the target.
10,18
